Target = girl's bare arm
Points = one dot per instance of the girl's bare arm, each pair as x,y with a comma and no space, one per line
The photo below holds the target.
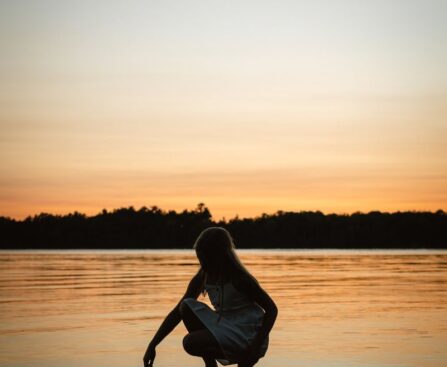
261,297
174,317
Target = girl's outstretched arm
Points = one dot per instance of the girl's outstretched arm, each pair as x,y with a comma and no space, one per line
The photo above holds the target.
172,319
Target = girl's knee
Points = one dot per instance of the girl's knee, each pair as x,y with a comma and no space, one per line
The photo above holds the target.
189,345
183,307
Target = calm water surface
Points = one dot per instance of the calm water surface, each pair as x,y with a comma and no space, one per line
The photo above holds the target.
336,308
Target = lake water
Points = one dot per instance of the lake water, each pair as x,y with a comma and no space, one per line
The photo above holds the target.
336,308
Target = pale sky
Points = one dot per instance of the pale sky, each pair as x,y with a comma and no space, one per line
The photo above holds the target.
248,106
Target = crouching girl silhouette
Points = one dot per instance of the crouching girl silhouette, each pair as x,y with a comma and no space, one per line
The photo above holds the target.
237,330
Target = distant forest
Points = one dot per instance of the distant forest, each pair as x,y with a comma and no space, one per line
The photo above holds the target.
154,228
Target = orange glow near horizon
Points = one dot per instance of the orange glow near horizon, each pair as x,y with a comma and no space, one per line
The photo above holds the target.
246,195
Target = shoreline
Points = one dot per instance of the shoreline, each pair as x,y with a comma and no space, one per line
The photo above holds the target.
254,250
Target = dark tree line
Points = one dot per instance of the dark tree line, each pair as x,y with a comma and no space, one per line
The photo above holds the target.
128,228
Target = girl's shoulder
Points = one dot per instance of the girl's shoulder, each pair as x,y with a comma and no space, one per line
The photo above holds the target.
244,282
200,276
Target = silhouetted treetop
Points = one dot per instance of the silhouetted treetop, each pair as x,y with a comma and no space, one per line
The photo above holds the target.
152,227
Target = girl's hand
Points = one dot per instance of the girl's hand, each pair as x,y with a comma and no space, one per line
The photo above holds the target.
251,356
149,356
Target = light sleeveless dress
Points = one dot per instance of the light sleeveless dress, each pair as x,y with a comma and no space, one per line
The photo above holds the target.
238,325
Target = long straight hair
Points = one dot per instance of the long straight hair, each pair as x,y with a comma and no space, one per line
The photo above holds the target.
215,249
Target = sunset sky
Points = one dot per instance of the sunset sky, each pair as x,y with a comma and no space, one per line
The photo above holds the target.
247,106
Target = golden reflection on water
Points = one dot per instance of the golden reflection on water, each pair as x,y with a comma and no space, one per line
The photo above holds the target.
336,308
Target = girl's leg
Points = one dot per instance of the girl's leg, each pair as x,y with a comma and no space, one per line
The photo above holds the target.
191,321
199,342
245,365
